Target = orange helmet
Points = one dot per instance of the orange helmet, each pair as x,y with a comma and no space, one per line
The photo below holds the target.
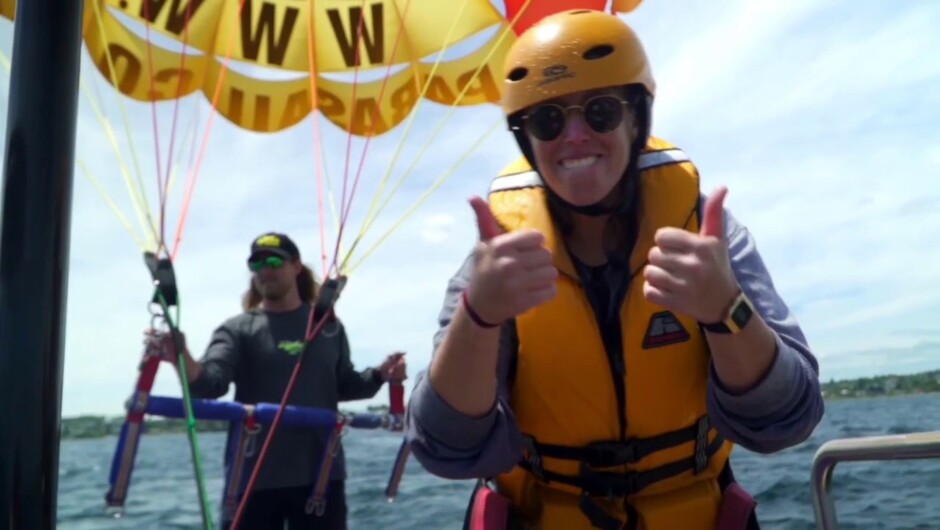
572,51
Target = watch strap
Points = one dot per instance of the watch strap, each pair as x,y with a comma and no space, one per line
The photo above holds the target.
736,317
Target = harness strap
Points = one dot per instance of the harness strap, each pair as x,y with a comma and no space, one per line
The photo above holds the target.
607,454
612,485
317,500
607,484
597,516
247,434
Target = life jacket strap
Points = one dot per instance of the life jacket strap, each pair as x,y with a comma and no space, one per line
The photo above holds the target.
616,453
615,485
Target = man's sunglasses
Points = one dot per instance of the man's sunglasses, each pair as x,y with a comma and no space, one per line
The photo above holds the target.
272,262
602,114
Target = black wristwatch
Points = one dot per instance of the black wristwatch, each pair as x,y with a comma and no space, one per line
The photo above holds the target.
737,316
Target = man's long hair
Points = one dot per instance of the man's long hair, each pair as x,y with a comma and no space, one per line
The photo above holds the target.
307,288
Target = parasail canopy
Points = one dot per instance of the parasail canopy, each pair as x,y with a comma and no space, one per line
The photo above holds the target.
238,53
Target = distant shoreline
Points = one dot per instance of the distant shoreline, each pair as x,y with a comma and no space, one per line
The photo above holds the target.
878,387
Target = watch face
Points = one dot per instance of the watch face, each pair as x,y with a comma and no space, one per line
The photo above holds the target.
742,312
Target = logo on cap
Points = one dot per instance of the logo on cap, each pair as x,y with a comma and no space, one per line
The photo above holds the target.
268,241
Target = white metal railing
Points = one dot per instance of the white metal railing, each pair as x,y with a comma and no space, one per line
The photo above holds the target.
893,447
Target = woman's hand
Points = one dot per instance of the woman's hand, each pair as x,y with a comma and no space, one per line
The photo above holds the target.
513,272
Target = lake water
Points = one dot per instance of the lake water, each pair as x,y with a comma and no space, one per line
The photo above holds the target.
876,495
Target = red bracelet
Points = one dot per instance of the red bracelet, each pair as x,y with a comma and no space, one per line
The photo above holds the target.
473,314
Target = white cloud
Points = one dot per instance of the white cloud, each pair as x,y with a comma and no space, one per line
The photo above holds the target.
438,228
822,120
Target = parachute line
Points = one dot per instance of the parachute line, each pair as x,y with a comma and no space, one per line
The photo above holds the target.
205,505
123,112
317,142
375,112
156,127
355,85
437,184
194,174
312,331
107,198
371,220
176,107
140,206
371,213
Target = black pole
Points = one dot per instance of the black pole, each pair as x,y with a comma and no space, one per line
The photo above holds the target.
34,256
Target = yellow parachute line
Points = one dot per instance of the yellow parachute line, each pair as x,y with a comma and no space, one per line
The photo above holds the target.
421,199
123,112
87,172
424,89
141,208
190,133
370,220
114,207
269,106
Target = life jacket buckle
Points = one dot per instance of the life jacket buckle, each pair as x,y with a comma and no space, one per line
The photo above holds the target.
607,454
533,457
609,485
701,446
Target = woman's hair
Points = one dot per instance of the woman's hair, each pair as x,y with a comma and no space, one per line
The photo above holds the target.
307,288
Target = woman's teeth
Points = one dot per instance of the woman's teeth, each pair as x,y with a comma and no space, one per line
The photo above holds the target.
577,163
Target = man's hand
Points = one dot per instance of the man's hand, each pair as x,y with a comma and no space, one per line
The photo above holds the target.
161,343
691,273
394,367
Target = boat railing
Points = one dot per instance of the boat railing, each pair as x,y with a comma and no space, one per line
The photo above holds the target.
912,446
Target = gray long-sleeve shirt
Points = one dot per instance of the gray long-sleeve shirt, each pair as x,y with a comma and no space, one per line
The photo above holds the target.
257,350
781,411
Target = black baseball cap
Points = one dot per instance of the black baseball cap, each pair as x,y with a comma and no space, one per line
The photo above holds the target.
274,243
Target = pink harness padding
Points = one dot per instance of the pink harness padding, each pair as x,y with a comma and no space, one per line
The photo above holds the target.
737,505
490,510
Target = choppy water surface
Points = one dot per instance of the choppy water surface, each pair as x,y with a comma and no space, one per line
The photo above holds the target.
877,495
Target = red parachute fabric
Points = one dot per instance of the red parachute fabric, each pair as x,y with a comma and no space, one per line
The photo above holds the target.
539,9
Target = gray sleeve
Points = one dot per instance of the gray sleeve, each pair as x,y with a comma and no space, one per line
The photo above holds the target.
219,363
450,444
351,384
786,405
779,412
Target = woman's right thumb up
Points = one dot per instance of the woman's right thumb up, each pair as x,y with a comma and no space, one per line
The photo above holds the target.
486,222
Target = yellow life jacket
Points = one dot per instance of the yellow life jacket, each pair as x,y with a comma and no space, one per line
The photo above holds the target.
662,472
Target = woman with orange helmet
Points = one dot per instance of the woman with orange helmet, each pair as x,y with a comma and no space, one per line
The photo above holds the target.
614,333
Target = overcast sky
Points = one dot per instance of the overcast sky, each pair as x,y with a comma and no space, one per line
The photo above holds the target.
823,119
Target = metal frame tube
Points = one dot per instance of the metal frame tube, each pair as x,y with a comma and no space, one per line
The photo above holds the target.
895,447
34,255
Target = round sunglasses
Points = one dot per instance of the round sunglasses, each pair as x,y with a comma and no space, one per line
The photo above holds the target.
602,114
272,262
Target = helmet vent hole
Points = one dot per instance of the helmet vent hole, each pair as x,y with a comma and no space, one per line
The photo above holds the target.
518,74
599,51
579,12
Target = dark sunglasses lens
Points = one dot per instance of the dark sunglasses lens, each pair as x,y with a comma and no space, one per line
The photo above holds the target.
546,122
603,114
273,262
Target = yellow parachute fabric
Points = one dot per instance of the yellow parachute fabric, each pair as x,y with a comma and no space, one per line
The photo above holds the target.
401,37
274,35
